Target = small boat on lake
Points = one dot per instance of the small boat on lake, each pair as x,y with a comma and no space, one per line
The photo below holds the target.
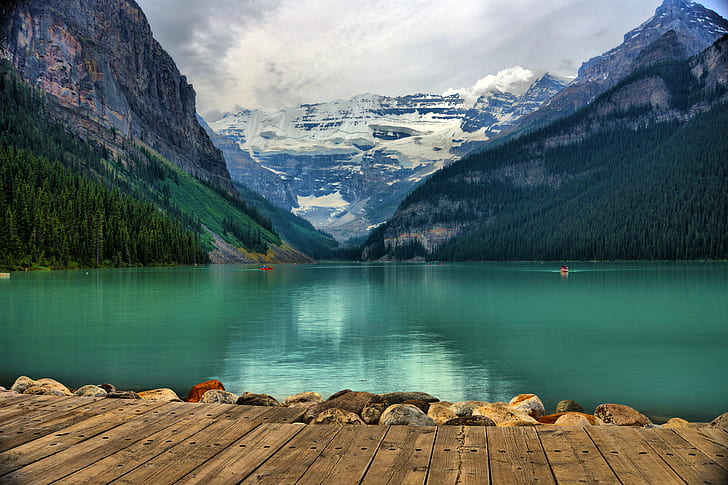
266,268
564,269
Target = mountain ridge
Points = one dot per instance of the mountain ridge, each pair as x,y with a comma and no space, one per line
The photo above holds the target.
345,164
512,201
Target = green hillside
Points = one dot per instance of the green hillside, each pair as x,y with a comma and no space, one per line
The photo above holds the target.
134,173
616,180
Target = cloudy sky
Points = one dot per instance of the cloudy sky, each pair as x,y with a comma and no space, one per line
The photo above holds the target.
268,54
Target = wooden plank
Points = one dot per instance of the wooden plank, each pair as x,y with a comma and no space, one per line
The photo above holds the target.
459,456
630,457
516,456
106,436
348,456
240,459
123,461
30,404
573,457
184,457
292,461
710,441
50,423
403,457
686,460
280,414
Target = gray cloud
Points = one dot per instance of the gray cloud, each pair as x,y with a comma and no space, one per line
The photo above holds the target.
275,53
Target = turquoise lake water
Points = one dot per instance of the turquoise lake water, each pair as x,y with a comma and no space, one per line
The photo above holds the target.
653,336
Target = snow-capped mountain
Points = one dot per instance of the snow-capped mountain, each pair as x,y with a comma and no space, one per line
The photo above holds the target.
678,29
345,165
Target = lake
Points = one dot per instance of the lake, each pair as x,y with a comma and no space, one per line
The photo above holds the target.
652,336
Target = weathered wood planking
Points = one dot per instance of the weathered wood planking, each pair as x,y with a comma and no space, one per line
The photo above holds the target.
240,459
403,457
459,456
347,457
631,457
84,440
573,457
691,464
517,456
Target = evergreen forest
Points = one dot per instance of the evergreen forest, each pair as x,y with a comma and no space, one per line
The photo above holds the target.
626,186
69,202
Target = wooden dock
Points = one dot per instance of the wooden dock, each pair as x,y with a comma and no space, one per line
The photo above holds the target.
73,440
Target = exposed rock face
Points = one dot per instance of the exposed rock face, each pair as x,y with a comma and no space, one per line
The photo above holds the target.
346,164
679,29
113,80
621,415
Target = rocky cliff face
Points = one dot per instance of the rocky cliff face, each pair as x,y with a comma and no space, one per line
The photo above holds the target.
346,165
113,81
679,29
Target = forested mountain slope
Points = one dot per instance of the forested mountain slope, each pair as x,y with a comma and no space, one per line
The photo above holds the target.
640,173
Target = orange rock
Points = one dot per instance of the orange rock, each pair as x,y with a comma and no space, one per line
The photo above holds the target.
198,390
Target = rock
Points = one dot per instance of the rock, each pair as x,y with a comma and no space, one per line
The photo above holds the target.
470,421
162,394
198,390
372,412
504,415
720,422
400,397
21,384
673,423
218,396
465,408
620,415
337,394
529,404
91,391
572,419
123,395
423,405
405,414
109,388
251,399
337,416
303,398
441,412
352,401
552,418
567,406
42,391
45,386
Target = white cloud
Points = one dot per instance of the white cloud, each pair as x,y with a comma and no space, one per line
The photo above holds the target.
514,80
276,53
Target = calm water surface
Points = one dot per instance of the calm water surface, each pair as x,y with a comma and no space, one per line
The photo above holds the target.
654,336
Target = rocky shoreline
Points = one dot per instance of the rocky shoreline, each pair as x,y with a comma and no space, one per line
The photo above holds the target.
394,408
